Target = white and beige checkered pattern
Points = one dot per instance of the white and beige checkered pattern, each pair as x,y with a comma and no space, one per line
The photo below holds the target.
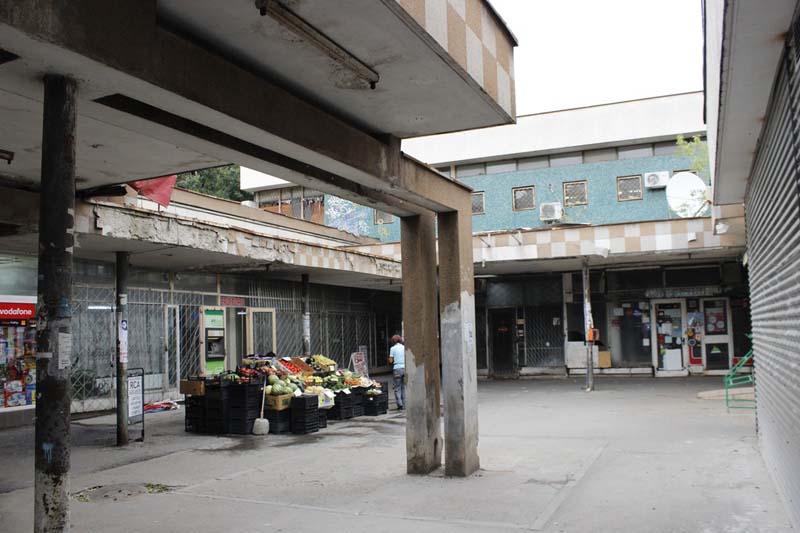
643,238
478,41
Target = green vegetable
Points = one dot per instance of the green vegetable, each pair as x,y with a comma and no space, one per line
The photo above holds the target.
268,389
273,379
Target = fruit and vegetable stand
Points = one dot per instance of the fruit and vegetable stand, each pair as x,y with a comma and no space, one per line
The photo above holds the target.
300,395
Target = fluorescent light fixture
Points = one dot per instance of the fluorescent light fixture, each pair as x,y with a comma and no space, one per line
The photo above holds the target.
100,307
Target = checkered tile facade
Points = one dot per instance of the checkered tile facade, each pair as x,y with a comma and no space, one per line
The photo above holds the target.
475,38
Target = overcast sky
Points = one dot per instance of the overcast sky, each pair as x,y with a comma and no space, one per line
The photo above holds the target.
574,53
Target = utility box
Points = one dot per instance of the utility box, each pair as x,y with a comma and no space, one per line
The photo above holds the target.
603,359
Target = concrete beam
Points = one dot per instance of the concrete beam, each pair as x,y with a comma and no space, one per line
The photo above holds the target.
459,366
420,320
121,48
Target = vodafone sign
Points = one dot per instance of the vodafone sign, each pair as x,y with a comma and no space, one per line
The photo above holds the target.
17,311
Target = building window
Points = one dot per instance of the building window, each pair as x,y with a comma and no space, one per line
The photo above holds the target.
478,203
498,167
629,188
383,218
465,171
575,193
524,198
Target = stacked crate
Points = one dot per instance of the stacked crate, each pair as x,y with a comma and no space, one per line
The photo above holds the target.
244,406
358,401
342,407
305,414
376,404
279,421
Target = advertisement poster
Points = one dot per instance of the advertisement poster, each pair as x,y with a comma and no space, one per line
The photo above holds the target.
122,336
214,319
135,400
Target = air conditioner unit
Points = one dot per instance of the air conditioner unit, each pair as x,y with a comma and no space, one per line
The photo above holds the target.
656,180
550,211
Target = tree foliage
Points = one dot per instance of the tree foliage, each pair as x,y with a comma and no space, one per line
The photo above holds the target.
696,150
222,182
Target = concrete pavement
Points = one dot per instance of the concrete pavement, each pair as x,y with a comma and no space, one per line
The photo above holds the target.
636,455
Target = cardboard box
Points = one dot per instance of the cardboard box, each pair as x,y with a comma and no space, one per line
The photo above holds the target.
279,403
603,359
193,387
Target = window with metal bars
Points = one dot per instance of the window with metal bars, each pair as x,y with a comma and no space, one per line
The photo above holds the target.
576,193
629,188
478,203
524,198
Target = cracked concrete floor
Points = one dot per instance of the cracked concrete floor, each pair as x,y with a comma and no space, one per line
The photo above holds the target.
636,455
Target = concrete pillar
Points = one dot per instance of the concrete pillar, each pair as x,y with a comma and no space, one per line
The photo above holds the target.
122,268
305,309
459,367
420,321
54,307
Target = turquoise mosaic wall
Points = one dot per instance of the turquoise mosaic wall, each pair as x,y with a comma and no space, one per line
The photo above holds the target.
603,206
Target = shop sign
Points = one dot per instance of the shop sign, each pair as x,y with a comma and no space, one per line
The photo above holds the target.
17,311
359,361
682,292
232,301
135,399
214,319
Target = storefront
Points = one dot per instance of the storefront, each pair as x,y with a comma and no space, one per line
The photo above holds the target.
17,351
662,321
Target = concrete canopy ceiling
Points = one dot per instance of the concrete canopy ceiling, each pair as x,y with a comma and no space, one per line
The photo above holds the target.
418,92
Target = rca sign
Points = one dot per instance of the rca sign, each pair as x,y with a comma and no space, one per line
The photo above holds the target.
17,311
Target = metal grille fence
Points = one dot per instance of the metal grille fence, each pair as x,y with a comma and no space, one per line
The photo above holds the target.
165,336
544,336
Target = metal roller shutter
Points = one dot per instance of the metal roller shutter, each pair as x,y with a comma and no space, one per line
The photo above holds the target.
773,247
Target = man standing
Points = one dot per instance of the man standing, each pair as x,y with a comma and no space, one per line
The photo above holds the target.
397,358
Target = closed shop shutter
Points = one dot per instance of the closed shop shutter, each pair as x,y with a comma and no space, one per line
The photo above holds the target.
773,248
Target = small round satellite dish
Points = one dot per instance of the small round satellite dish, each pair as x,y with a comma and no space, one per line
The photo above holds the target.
687,195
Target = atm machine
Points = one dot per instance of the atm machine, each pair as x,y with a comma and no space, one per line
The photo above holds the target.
213,330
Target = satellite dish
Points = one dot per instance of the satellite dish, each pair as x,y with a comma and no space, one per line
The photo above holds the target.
687,195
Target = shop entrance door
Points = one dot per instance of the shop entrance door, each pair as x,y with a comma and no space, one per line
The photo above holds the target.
261,331
669,319
501,327
717,335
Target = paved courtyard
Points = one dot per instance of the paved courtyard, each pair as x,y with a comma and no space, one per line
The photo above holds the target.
636,455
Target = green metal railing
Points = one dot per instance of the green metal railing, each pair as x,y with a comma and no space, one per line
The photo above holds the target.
734,379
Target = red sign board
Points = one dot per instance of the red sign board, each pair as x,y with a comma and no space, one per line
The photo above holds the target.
231,301
17,311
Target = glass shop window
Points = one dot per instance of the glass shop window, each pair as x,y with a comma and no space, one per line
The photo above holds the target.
716,317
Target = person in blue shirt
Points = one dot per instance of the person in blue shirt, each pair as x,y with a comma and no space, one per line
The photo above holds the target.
397,358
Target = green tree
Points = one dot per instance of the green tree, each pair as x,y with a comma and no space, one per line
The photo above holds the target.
696,150
222,182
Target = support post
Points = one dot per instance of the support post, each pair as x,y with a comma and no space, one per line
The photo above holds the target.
306,315
420,321
459,367
54,307
122,268
588,326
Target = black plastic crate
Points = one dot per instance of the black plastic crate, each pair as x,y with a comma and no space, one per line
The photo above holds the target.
323,419
241,427
340,413
374,409
305,401
195,424
279,421
343,400
358,409
304,431
279,427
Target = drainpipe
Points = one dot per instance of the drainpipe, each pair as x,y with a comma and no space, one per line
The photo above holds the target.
588,327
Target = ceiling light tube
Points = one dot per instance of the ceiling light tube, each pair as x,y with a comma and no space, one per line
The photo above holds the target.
303,29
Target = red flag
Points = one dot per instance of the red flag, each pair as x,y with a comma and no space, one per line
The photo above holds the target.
157,189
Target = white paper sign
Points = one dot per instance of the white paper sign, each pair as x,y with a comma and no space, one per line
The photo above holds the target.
359,361
64,350
135,399
122,335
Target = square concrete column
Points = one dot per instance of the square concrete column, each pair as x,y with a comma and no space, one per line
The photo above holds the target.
459,371
420,329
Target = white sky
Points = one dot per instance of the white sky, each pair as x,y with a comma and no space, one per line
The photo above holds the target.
575,53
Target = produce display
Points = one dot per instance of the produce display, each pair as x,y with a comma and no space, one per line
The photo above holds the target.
287,382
